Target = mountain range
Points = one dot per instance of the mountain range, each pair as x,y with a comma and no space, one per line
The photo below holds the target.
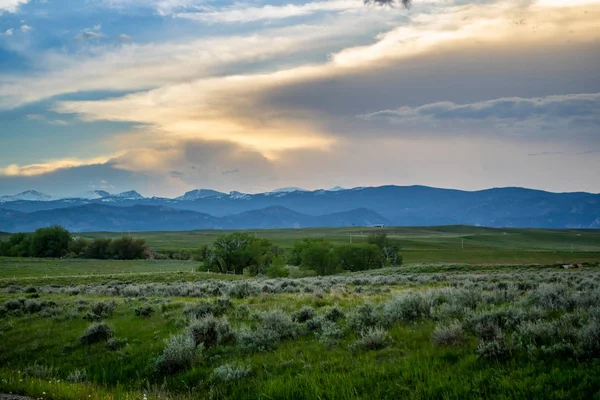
296,207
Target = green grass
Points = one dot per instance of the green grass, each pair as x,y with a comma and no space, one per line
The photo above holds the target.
494,265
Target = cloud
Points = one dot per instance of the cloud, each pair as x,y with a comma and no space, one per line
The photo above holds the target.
25,28
44,119
243,13
49,166
90,34
124,38
11,6
8,32
578,108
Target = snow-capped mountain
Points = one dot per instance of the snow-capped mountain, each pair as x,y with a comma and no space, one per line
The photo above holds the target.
288,190
29,195
130,195
199,194
335,189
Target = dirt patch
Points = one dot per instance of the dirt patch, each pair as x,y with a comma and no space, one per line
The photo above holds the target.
4,396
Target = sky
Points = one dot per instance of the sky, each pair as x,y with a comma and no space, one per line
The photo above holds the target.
166,96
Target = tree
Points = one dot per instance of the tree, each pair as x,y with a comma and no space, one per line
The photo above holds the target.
320,257
390,250
295,257
78,246
238,251
17,245
127,248
98,249
277,268
359,257
51,242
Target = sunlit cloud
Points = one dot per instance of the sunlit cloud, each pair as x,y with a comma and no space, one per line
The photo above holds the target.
11,6
49,166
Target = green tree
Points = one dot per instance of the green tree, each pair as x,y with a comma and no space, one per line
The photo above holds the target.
98,249
390,250
51,242
17,245
295,257
277,268
359,257
127,248
238,251
78,246
320,257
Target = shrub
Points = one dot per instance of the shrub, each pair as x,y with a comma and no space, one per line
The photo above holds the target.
242,290
505,318
553,297
40,371
304,314
104,308
222,305
315,324
407,308
449,334
363,317
493,349
230,372
114,344
76,376
373,339
330,333
144,311
257,339
242,310
198,310
179,353
334,313
14,304
50,242
96,333
205,331
280,323
536,334
32,306
589,339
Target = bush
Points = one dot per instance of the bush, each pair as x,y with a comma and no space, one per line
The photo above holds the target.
536,334
589,339
96,333
230,373
257,339
114,344
304,314
363,317
76,376
553,296
279,323
373,339
407,308
198,310
493,349
40,371
334,313
448,334
210,331
104,308
179,353
14,304
330,333
144,311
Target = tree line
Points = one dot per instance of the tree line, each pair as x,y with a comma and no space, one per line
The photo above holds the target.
240,253
236,253
57,242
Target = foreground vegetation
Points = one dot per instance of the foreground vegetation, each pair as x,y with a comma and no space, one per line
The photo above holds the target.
169,329
438,332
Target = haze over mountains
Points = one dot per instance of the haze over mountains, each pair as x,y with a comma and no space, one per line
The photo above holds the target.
299,208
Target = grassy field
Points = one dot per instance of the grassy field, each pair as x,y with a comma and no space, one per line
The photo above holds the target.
497,320
448,244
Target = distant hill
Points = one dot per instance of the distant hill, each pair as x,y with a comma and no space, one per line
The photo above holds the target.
99,217
399,205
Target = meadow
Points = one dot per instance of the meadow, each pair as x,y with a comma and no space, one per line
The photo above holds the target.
495,319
